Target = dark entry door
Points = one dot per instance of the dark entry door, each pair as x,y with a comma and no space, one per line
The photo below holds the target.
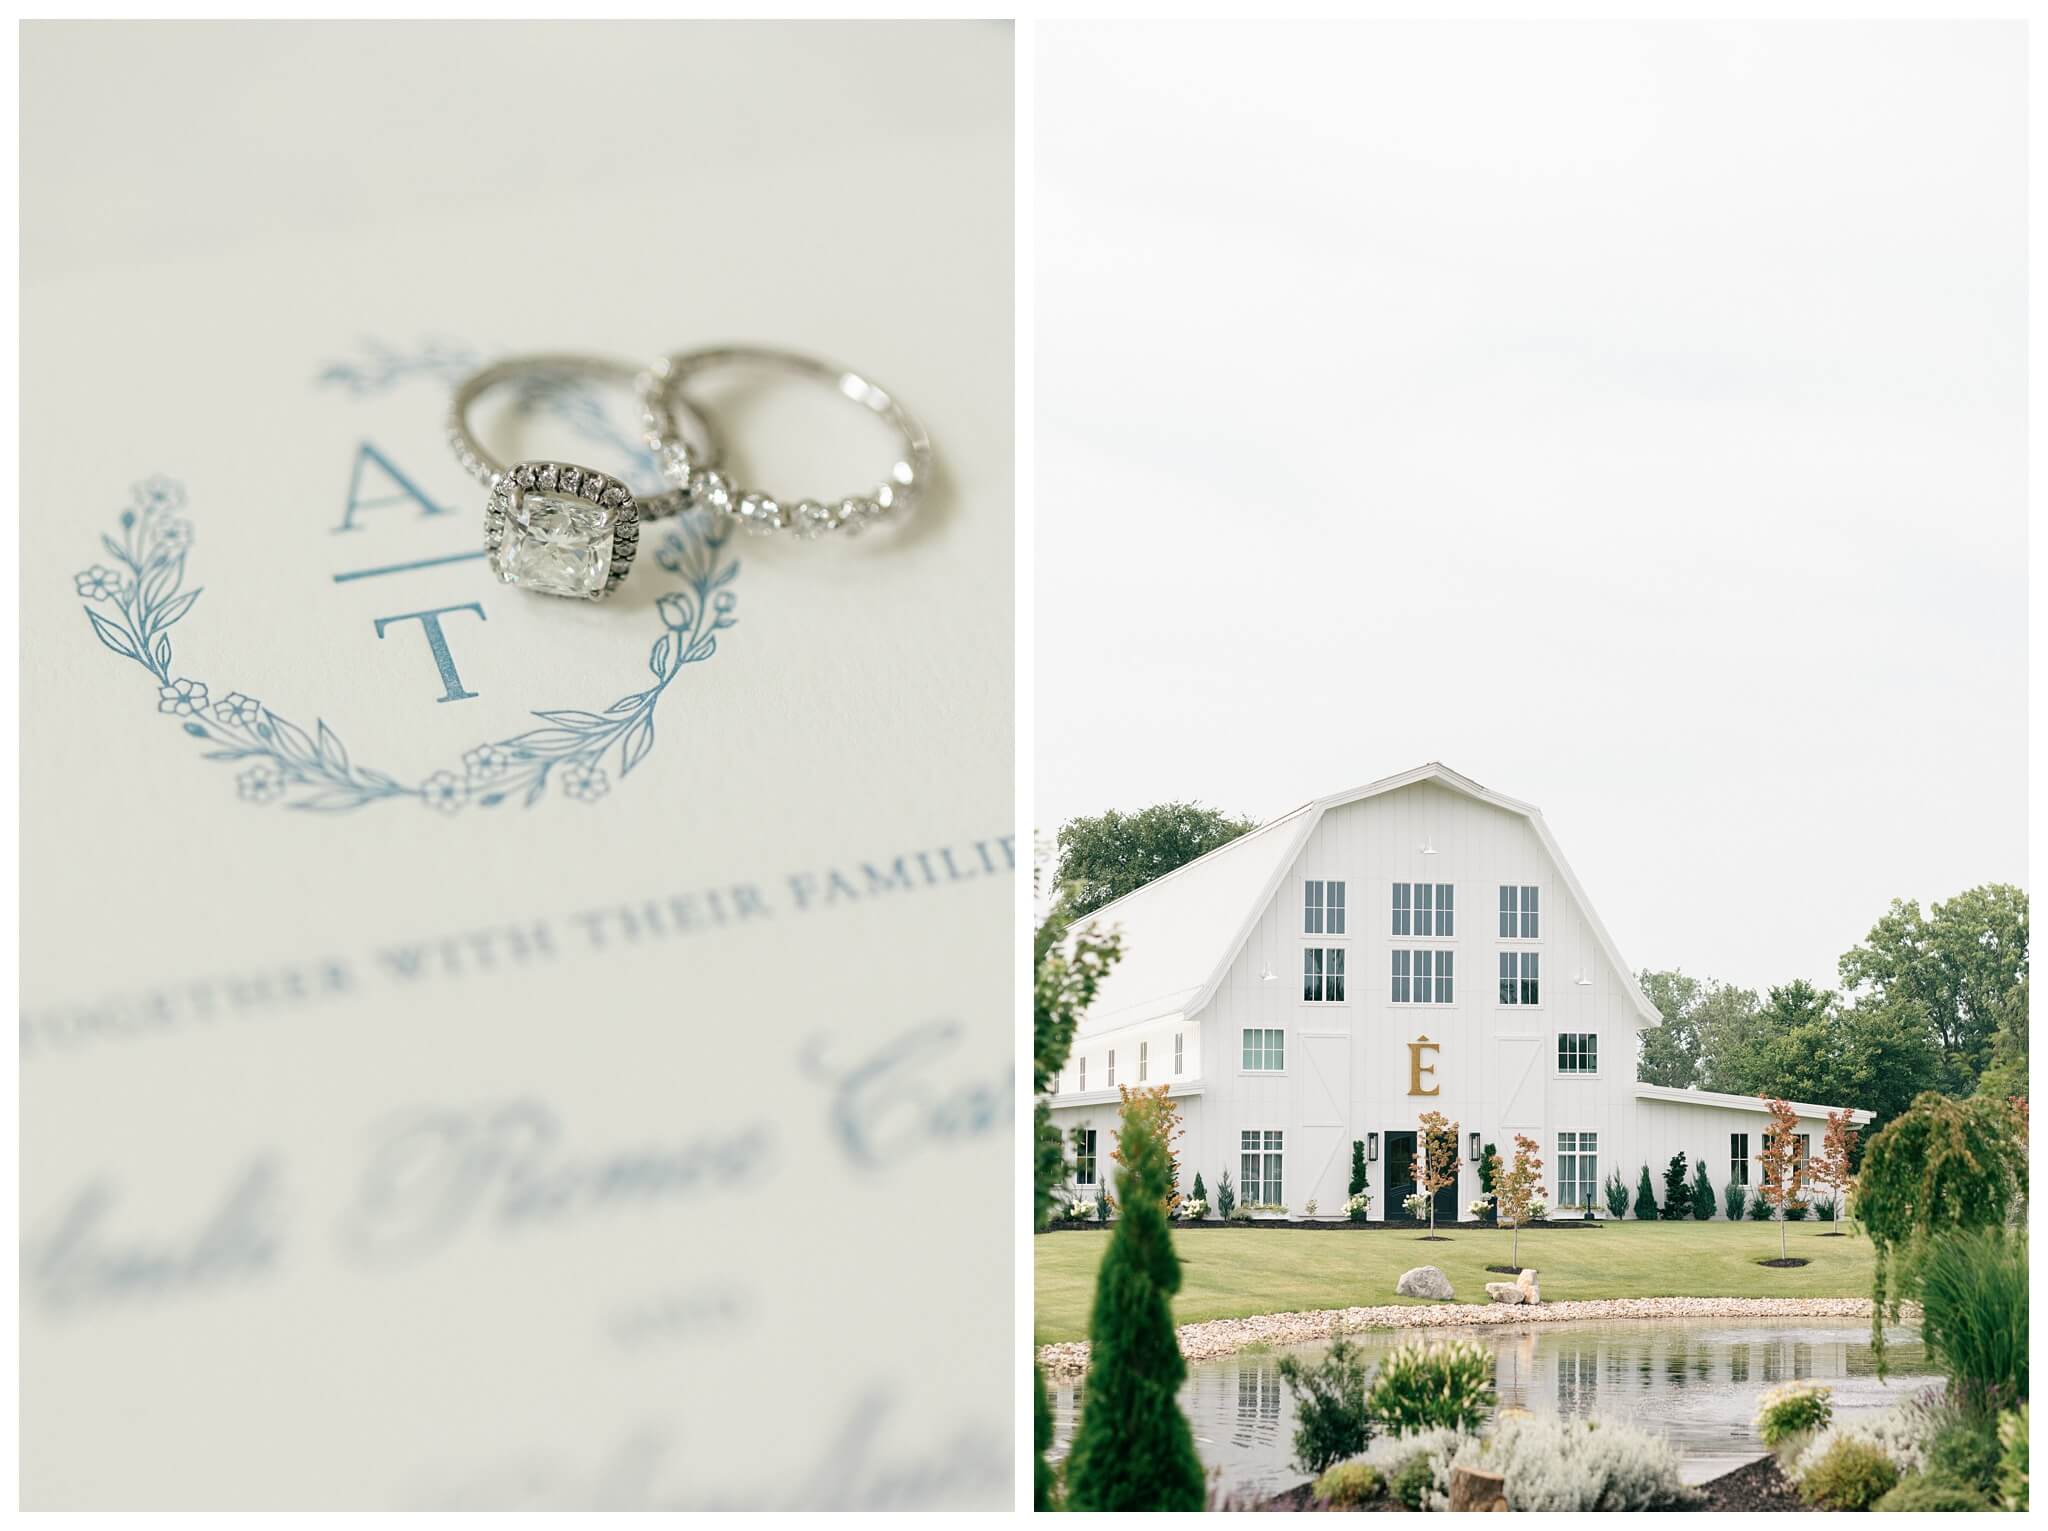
1401,1182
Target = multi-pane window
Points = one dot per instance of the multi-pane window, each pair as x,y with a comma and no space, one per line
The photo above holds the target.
1111,1081
1578,1052
1802,1145
1738,1157
1178,1055
1518,914
1084,1156
1424,909
1265,1048
1518,978
1082,1082
1322,907
1578,1168
1421,978
1258,1180
1322,973
1144,1061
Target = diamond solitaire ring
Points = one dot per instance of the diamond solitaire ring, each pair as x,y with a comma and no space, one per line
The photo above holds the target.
554,527
705,487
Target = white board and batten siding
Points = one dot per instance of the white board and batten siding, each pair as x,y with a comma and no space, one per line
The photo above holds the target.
1348,1067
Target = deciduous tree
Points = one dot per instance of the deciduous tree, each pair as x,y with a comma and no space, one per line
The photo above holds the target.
1516,1189
1103,857
1782,1170
1436,1158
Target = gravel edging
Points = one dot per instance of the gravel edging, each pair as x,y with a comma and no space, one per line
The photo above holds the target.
1222,1336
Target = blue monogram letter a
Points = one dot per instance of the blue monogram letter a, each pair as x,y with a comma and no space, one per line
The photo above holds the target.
366,454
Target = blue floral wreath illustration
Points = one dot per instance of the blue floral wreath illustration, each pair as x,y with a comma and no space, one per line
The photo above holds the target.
134,603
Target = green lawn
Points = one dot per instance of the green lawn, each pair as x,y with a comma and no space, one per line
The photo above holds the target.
1233,1273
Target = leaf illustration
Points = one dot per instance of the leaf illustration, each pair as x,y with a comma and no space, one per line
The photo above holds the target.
291,738
639,740
570,718
658,660
542,742
163,653
112,636
162,580
115,548
173,610
330,802
627,703
332,754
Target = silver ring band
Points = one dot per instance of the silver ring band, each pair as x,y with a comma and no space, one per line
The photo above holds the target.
478,462
697,478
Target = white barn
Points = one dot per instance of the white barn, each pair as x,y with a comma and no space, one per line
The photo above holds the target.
1417,944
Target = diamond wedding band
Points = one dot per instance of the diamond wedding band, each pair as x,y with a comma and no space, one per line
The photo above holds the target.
697,477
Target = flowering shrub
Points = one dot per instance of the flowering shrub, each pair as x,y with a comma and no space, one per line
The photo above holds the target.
1359,1208
1240,1213
1793,1409
1547,1463
1417,1467
1420,1386
1349,1485
1309,1207
1904,1432
1193,1210
1538,1211
1416,1206
1084,1210
1479,1207
1853,1475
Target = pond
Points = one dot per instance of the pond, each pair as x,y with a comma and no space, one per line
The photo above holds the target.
1696,1380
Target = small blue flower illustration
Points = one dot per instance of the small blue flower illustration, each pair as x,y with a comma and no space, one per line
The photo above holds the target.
671,555
584,783
725,602
159,496
675,613
174,536
239,709
182,698
262,783
487,762
444,791
98,582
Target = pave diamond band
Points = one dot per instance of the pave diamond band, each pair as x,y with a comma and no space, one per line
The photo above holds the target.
552,527
699,480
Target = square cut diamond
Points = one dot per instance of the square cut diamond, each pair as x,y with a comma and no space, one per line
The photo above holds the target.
558,544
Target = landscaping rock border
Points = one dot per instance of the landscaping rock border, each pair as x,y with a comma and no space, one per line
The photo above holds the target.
1224,1336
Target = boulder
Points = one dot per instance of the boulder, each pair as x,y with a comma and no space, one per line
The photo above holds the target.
1530,1291
1424,1281
1504,1291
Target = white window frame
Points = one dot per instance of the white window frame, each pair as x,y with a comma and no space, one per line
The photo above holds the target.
1738,1165
1405,911
1324,913
1404,964
1522,975
1090,1152
1110,1069
1267,1045
1179,1052
1556,1055
1081,1066
1585,1145
1517,912
1144,1062
1325,959
1262,1162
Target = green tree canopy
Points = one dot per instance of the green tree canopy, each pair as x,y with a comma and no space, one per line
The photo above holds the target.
1705,1022
1961,962
1111,854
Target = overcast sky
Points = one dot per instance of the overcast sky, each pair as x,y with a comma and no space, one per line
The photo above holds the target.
1630,417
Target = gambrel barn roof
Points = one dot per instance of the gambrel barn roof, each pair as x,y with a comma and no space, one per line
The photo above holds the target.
1182,931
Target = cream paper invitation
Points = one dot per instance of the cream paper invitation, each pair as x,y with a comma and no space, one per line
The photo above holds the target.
480,1049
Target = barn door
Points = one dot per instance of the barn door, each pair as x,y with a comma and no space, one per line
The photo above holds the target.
1325,1123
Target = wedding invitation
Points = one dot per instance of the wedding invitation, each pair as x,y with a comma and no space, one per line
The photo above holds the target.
481,1049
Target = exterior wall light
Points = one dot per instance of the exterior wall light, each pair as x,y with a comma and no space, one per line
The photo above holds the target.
1475,1147
1372,1148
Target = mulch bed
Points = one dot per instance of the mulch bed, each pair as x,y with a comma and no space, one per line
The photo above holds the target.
1063,1225
1784,1264
1505,1270
1755,1485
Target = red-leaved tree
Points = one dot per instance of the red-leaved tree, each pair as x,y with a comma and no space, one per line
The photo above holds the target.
1784,1172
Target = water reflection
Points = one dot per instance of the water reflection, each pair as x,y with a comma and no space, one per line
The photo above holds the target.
1695,1380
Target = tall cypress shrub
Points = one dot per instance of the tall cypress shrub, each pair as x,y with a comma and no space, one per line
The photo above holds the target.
1646,1199
1358,1174
1677,1193
1702,1193
1134,1450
